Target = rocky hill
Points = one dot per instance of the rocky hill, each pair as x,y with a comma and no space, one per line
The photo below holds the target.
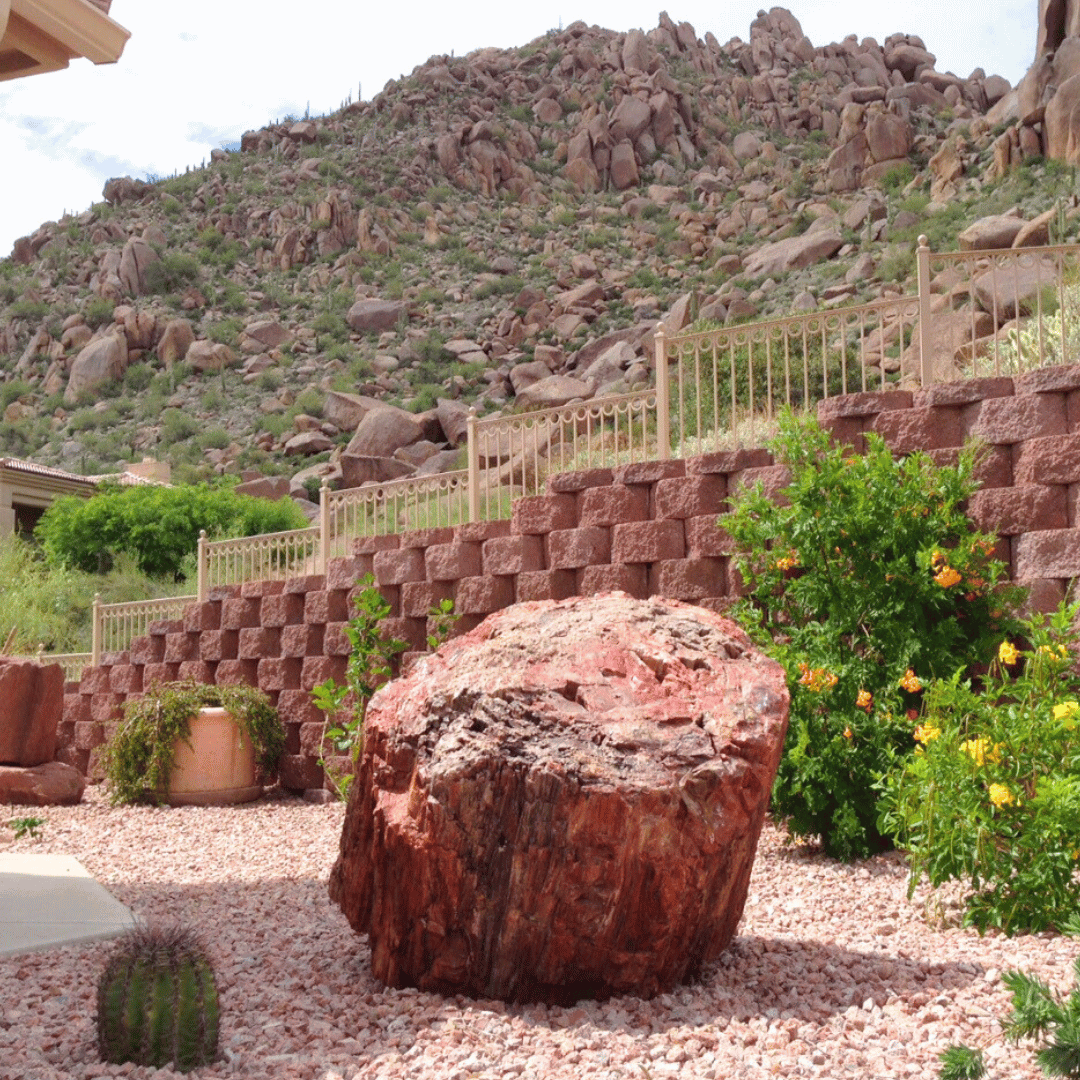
504,230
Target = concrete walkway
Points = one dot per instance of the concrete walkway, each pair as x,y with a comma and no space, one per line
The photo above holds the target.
51,900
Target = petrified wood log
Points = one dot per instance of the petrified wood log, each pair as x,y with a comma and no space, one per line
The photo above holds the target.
31,704
563,803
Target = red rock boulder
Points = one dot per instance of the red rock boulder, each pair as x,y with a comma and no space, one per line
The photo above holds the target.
51,784
563,803
31,705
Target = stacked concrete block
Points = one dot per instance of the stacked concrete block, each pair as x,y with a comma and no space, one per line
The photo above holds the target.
647,528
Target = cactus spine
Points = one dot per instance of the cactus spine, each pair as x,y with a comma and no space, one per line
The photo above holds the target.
157,1001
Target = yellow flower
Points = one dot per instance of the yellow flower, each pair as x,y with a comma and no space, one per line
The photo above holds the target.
787,563
1060,652
1066,712
910,682
1008,653
936,560
946,577
926,733
980,751
1001,796
865,700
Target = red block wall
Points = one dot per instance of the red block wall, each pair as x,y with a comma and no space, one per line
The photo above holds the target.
647,529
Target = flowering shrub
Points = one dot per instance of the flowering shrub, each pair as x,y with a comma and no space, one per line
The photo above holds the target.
867,585
994,798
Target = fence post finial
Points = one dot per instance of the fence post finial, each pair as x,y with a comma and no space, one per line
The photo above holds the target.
324,527
663,395
201,577
95,632
926,356
473,452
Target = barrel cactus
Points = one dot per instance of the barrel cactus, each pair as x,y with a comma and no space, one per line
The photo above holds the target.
157,1001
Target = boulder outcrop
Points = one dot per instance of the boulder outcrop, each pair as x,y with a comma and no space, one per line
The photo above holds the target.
564,802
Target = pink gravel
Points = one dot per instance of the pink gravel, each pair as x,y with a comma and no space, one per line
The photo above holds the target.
834,972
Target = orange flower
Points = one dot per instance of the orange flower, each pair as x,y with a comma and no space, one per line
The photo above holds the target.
847,734
816,680
946,577
910,682
865,700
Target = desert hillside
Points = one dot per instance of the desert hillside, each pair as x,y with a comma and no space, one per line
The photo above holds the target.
501,230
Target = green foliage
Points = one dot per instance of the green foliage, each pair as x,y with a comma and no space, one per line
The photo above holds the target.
1037,1013
869,583
157,526
26,826
171,273
33,310
98,312
157,1001
51,606
139,757
992,797
371,663
224,331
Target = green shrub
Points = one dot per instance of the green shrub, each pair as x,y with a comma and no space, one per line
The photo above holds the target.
98,312
157,526
992,795
171,273
870,583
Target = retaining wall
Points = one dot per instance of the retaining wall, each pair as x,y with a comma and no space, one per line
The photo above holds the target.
647,529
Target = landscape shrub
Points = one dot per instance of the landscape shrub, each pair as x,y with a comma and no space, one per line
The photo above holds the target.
157,526
867,584
51,606
991,796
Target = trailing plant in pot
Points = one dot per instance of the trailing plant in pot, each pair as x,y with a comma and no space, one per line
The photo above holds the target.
140,757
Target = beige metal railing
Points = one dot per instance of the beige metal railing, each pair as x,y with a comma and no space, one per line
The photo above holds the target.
267,557
975,313
117,625
1001,312
72,663
726,384
419,502
511,456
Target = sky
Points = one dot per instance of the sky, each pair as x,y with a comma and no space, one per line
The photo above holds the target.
195,75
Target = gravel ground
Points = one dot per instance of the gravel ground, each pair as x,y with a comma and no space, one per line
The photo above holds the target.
834,972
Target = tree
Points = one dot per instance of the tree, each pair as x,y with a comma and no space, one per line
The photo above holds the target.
158,526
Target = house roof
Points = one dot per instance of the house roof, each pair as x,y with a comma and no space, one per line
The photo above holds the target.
31,468
46,35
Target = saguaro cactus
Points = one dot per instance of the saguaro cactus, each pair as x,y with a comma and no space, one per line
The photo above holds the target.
157,1001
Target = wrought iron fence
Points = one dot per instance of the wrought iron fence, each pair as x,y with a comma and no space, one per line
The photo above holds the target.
512,456
419,502
117,625
1000,312
267,557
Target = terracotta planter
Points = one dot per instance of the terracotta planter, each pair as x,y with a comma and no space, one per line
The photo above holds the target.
218,768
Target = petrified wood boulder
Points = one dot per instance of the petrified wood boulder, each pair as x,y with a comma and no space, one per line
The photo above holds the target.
563,803
31,704
51,784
